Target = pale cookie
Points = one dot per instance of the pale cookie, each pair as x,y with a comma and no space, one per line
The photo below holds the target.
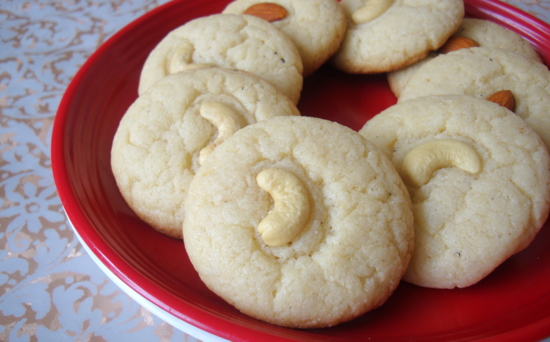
171,128
386,35
479,181
482,33
335,221
232,41
316,27
481,72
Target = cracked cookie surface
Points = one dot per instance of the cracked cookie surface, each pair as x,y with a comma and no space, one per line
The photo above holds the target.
231,41
348,257
466,224
157,147
403,34
316,27
484,33
483,71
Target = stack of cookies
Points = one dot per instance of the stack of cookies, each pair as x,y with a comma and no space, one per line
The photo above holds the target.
305,223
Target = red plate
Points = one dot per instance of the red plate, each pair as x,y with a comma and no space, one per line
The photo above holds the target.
512,303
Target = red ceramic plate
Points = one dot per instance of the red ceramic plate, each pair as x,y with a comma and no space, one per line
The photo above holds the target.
512,303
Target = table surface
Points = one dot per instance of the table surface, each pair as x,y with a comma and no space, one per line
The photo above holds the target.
50,289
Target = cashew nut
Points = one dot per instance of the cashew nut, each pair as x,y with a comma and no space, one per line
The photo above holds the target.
195,66
420,163
180,58
291,206
371,10
225,118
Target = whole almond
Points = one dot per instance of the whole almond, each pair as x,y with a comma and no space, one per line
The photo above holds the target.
267,11
456,43
505,98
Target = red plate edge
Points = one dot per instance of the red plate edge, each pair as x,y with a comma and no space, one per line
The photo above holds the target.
496,11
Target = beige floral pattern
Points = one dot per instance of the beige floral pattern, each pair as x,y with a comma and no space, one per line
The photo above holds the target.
50,290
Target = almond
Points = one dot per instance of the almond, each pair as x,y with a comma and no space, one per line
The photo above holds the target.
505,98
267,11
456,43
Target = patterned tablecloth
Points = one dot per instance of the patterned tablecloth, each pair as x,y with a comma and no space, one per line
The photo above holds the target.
50,289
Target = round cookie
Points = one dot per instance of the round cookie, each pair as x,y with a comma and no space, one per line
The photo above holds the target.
316,27
467,221
170,129
483,71
232,41
484,33
402,33
350,247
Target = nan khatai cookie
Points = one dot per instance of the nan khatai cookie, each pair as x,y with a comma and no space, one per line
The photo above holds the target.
299,222
232,41
386,35
479,181
171,129
483,72
472,33
316,27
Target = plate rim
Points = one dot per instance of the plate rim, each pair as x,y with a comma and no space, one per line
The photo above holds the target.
117,269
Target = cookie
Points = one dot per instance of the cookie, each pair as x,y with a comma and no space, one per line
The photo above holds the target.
173,126
482,72
483,33
479,181
386,35
316,27
232,41
335,221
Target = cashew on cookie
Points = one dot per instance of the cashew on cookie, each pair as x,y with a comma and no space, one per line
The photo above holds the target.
280,223
479,182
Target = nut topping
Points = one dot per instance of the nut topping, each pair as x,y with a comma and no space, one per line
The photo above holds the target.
267,11
505,98
456,43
